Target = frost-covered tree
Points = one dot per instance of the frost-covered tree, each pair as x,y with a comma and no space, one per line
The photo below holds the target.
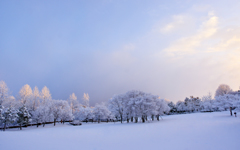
37,116
26,94
100,112
192,104
3,92
6,99
56,109
172,107
10,102
222,89
43,114
60,110
10,116
35,99
146,106
161,107
45,95
181,107
117,105
224,102
84,114
86,99
136,104
73,102
1,114
23,116
207,103
66,112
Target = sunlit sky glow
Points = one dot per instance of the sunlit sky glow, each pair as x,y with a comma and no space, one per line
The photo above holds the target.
173,48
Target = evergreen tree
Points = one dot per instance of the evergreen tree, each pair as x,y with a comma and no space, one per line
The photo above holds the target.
23,116
1,114
10,116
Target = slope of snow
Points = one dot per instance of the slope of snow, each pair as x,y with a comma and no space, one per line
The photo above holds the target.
198,131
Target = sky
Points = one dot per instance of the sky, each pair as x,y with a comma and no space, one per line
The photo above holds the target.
174,49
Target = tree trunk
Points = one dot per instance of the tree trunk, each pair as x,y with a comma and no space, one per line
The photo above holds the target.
146,118
4,126
44,124
131,119
121,118
143,119
230,111
37,124
136,119
54,122
20,126
152,117
157,117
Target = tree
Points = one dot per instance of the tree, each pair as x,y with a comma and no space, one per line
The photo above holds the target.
207,103
135,104
36,99
100,112
3,92
117,105
60,110
25,94
222,89
227,101
1,115
56,110
73,102
45,95
23,116
6,99
66,112
86,99
10,116
172,106
84,114
43,114
162,107
37,116
181,107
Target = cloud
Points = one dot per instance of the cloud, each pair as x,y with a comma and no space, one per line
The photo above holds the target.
189,45
178,21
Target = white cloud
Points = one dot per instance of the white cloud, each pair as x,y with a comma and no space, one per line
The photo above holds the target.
189,45
178,21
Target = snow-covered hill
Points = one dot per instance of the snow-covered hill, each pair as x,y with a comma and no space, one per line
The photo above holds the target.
198,131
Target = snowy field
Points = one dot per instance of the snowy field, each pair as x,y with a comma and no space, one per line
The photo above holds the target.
199,131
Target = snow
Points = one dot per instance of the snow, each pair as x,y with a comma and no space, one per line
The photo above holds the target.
197,131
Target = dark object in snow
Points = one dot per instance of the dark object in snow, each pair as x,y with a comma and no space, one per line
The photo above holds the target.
235,113
76,123
230,111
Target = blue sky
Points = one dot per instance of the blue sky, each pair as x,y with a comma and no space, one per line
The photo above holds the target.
173,49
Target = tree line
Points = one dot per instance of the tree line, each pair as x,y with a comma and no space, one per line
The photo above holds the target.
34,106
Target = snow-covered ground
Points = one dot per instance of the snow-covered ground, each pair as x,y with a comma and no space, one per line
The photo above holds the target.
198,131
